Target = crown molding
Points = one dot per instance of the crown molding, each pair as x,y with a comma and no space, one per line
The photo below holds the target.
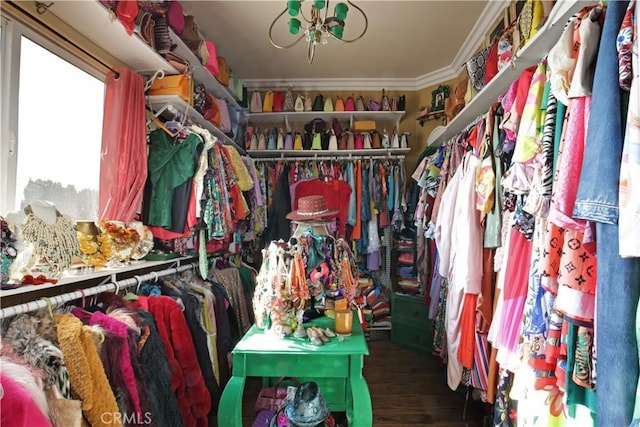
471,44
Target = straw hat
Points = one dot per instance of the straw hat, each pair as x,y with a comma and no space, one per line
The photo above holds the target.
311,208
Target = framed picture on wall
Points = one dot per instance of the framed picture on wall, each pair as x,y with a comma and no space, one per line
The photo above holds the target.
438,96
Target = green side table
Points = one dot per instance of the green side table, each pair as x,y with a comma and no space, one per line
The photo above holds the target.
335,366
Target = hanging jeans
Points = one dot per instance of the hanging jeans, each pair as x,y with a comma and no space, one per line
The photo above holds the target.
597,200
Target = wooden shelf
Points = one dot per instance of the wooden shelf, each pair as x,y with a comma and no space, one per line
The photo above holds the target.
536,49
176,104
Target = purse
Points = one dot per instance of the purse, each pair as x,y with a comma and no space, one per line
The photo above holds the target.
278,101
178,84
223,71
374,105
360,106
225,118
178,62
175,16
299,104
476,68
339,104
256,102
267,102
328,104
349,105
271,398
145,24
318,103
211,110
289,103
384,102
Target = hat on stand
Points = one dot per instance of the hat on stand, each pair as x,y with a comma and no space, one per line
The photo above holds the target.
312,208
308,408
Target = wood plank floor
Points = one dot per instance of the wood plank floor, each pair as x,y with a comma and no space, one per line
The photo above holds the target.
407,389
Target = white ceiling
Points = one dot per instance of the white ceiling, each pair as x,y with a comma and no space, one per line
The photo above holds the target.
408,44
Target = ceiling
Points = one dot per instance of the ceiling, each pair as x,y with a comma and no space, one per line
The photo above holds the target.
408,44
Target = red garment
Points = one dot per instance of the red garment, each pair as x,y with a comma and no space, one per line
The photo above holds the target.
468,330
336,194
17,408
192,220
186,376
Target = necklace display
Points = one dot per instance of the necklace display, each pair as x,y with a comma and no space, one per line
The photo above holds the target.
55,244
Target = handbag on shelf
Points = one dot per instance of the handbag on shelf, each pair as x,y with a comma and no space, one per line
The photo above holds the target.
288,104
328,104
299,104
176,61
225,119
349,104
278,101
384,102
256,102
271,398
211,110
360,105
223,71
476,68
175,16
318,103
145,24
179,84
339,104
267,102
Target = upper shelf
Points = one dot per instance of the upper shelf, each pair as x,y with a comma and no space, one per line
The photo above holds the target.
307,116
99,25
177,105
536,49
201,74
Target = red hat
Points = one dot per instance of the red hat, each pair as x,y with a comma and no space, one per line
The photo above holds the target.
310,208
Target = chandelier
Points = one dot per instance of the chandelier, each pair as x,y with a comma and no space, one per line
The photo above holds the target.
318,26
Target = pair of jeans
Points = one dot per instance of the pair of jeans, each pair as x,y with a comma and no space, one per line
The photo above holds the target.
618,279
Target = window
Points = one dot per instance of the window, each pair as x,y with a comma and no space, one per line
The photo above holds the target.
59,129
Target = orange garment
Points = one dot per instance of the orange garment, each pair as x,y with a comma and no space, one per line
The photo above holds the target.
468,330
484,307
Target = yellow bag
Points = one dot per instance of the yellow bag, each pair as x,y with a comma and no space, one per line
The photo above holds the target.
267,102
179,84
224,72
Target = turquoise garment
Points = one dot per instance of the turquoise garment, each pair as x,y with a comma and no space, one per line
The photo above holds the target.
170,165
351,218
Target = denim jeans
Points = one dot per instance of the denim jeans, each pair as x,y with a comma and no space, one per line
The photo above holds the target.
617,351
618,279
597,198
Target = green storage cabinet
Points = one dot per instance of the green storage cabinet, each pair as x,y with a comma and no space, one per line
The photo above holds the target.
411,327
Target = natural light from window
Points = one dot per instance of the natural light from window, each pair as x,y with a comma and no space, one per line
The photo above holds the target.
59,133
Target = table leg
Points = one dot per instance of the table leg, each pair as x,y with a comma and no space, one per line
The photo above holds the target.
359,412
230,408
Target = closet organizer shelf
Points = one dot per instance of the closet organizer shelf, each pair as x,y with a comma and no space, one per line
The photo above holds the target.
201,74
105,273
535,49
98,24
160,103
307,116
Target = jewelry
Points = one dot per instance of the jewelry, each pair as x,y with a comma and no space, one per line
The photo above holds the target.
56,243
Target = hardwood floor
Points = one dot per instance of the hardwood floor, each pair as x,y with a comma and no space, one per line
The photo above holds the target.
407,389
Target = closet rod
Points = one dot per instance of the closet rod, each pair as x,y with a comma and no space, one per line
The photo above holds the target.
326,158
71,296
